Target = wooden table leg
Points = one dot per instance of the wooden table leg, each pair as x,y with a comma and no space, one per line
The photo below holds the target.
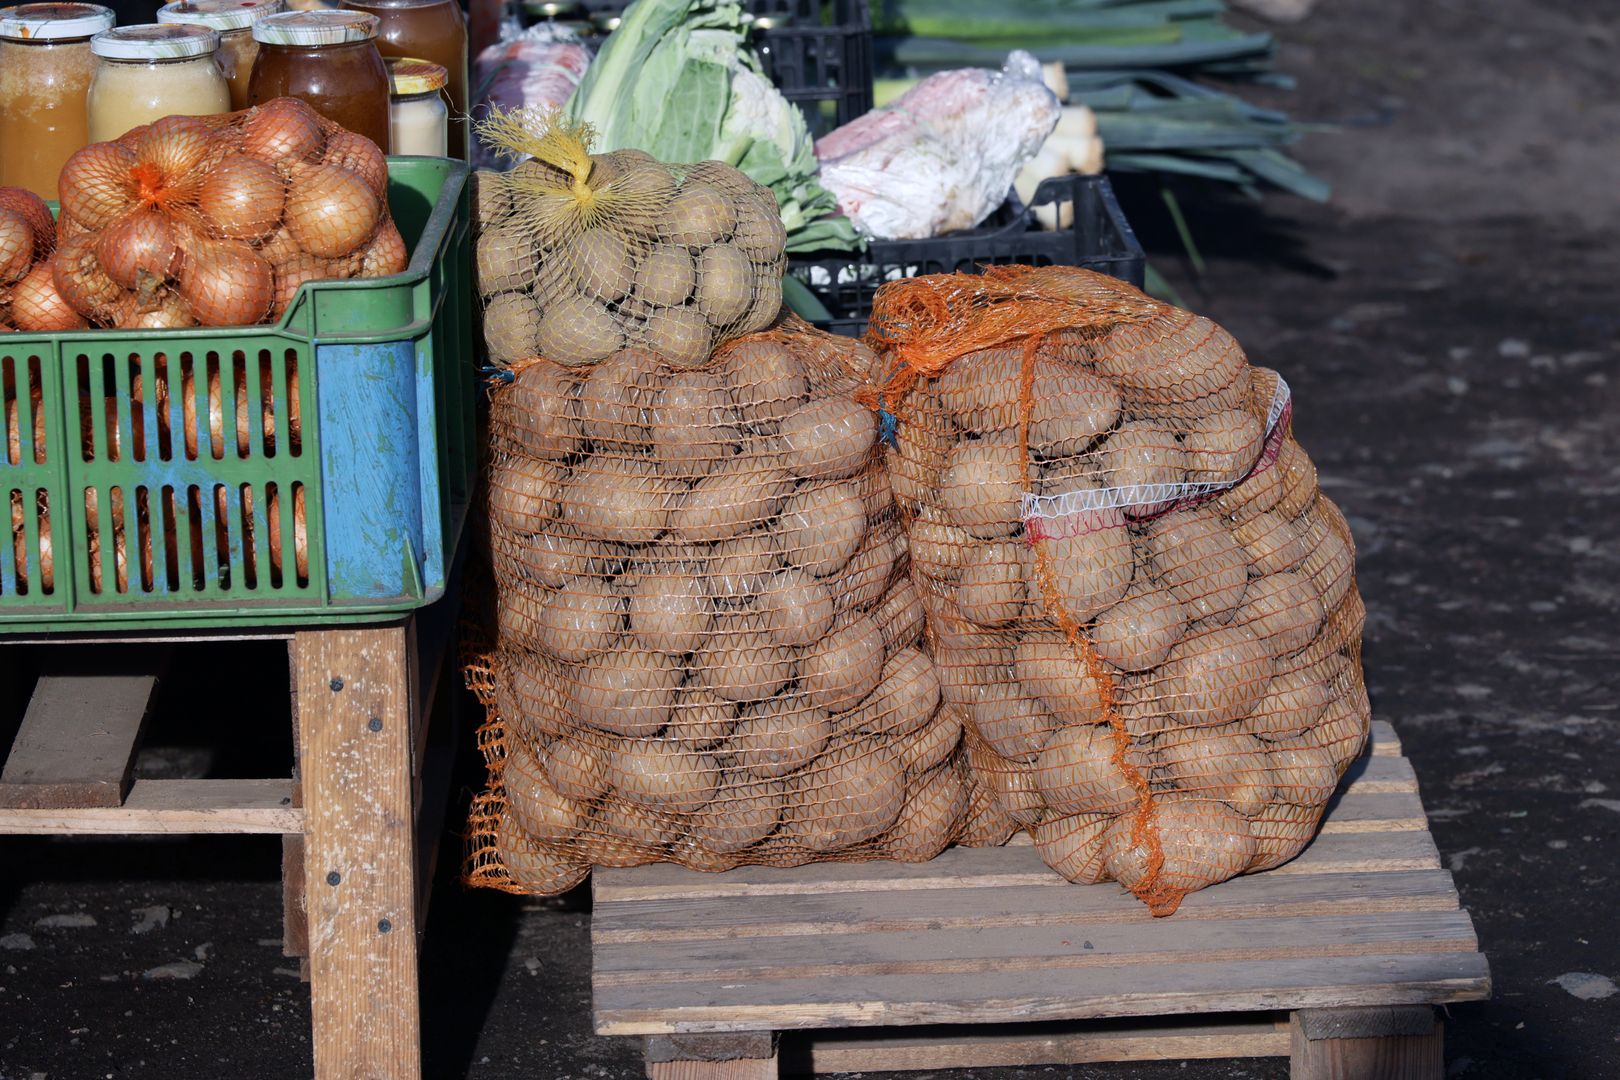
1402,1042
744,1056
355,706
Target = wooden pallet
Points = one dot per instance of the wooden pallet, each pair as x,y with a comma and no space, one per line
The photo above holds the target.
1343,952
359,817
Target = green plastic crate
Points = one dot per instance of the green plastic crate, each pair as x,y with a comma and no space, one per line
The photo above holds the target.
163,504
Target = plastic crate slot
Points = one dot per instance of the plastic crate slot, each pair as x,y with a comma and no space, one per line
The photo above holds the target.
250,549
15,578
170,531
272,512
188,405
211,404
194,535
265,437
120,539
295,427
222,536
161,373
300,538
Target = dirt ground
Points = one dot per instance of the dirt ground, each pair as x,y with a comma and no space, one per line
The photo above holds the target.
1450,329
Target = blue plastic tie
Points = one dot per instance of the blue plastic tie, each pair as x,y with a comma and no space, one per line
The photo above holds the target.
890,427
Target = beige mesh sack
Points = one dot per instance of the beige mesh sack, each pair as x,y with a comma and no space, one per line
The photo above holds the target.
1138,595
705,647
581,255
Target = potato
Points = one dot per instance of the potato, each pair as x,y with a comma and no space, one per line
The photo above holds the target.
725,284
1297,475
1049,667
693,425
576,768
838,672
579,620
1201,562
1342,629
1221,448
701,720
1281,831
777,737
744,811
740,661
863,582
1303,775
537,413
489,198
538,870
537,808
599,264
899,615
1137,633
511,329
552,557
697,216
735,498
934,808
1215,678
1071,409
617,499
1204,841
930,745
628,692
529,696
979,390
990,590
795,608
1294,701
1344,726
663,776
1174,365
517,615
851,795
616,399
523,494
680,335
1073,846
1013,723
1228,765
1013,784
737,569
829,439
1262,491
821,527
1075,773
906,698
1091,563
767,305
623,833
665,276
918,457
576,330
1271,542
760,232
986,823
982,487
1283,611
766,380
670,613
963,673
938,549
504,260
1331,564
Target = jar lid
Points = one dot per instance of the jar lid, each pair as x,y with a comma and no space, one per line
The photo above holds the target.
54,22
407,75
155,41
315,28
219,14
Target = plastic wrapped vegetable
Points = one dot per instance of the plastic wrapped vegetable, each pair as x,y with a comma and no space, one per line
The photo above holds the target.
538,69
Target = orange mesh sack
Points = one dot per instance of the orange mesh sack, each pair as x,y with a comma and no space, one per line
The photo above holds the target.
217,220
705,648
581,255
27,239
1139,597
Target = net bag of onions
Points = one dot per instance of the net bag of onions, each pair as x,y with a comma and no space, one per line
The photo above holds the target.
581,255
706,648
217,220
1140,600
27,239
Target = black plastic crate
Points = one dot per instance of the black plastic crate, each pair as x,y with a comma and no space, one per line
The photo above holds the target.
817,52
1100,239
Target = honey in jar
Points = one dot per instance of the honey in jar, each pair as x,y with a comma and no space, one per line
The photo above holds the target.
45,70
233,20
431,30
329,60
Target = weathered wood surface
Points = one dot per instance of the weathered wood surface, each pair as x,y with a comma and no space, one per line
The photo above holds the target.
173,806
1402,1043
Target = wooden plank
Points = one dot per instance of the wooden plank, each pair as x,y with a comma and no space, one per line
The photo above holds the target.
1028,1045
1384,740
294,912
1376,812
1123,990
77,743
1278,895
1032,949
1400,1056
355,728
173,806
737,1069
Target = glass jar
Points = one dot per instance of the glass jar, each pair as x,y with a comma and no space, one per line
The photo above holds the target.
418,122
45,69
233,20
144,73
431,30
329,60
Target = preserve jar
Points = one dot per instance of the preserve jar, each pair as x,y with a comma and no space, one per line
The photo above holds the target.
45,69
233,20
329,60
144,73
418,122
431,30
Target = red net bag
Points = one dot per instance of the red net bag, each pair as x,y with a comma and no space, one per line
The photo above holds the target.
217,220
1139,598
27,240
705,647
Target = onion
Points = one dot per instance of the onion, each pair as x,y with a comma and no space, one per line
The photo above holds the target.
384,255
170,313
16,246
293,273
242,198
36,305
282,130
280,248
331,211
142,241
32,209
359,155
95,185
80,279
178,148
226,283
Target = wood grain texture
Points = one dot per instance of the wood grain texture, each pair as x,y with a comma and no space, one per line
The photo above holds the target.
173,806
1385,1057
77,742
355,728
740,1069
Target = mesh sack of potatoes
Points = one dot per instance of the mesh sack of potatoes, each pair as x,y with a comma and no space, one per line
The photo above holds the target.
705,648
581,255
1138,595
